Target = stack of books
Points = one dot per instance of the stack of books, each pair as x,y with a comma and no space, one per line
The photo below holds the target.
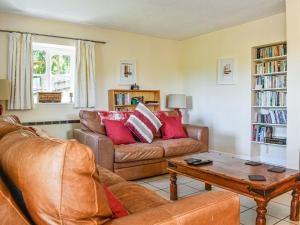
271,67
270,98
266,82
123,99
273,51
272,117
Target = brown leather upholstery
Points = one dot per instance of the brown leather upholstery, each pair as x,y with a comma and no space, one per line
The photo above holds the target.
182,146
108,178
135,161
136,198
212,208
7,127
91,121
137,152
9,211
58,179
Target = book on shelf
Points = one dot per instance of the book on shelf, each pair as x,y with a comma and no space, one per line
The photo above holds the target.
260,132
271,67
270,98
271,116
123,99
275,140
267,82
271,51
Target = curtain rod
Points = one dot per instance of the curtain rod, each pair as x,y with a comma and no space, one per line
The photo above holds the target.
55,36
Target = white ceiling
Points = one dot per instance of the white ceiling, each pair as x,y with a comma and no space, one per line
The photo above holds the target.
175,19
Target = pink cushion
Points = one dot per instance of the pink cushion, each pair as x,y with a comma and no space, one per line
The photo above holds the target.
172,127
113,115
117,132
143,123
115,205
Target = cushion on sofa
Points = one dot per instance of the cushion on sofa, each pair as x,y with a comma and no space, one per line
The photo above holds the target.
10,119
136,198
172,127
113,115
58,179
137,152
108,178
7,127
178,147
118,132
143,123
9,211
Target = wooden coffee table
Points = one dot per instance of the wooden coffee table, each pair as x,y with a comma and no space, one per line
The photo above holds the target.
232,174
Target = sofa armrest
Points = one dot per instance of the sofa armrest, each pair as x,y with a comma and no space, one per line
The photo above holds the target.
213,208
101,145
199,133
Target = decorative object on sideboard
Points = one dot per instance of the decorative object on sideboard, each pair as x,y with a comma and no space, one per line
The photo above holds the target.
226,71
134,87
137,100
127,72
4,94
49,97
71,97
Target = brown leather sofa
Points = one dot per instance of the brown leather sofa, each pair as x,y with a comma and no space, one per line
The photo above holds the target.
60,184
134,161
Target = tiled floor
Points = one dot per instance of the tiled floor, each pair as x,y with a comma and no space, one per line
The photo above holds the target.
278,208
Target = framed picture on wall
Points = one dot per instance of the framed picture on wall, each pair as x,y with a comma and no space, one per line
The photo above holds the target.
226,71
127,72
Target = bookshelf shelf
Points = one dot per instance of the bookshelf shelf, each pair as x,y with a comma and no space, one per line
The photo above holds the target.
269,88
264,143
270,58
270,124
121,100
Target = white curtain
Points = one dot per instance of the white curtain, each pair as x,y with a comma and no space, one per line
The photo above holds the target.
84,95
20,71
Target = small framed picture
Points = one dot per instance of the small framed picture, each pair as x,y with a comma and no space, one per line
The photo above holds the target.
226,71
127,72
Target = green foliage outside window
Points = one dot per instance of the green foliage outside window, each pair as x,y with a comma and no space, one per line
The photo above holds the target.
60,64
39,62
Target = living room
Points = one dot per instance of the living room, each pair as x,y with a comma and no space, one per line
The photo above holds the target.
174,47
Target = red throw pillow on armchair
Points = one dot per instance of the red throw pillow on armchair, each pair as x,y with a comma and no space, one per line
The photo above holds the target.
172,127
117,132
115,205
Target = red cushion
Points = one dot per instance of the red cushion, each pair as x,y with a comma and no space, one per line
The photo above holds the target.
117,132
115,205
113,115
143,123
172,127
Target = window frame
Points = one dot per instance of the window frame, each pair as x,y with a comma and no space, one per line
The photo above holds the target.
52,50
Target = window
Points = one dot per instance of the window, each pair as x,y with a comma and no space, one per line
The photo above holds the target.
53,70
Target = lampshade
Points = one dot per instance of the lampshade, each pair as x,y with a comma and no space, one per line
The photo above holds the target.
176,101
4,89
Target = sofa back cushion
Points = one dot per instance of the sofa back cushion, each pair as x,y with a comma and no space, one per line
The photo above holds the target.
90,120
7,127
58,179
9,211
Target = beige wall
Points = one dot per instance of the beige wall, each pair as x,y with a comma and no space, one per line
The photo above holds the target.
226,108
157,61
293,103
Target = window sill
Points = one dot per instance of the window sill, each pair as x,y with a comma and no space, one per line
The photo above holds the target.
54,103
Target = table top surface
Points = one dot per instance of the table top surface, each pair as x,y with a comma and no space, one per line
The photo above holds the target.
235,169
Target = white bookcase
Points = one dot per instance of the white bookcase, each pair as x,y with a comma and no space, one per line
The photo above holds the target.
268,94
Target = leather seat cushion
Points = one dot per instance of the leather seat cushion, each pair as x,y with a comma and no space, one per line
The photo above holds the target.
181,146
135,197
58,180
9,211
108,178
137,152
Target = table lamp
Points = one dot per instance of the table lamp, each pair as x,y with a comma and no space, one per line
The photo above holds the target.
176,101
4,94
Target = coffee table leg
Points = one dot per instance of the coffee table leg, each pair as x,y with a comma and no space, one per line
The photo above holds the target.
173,186
295,205
207,187
261,212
